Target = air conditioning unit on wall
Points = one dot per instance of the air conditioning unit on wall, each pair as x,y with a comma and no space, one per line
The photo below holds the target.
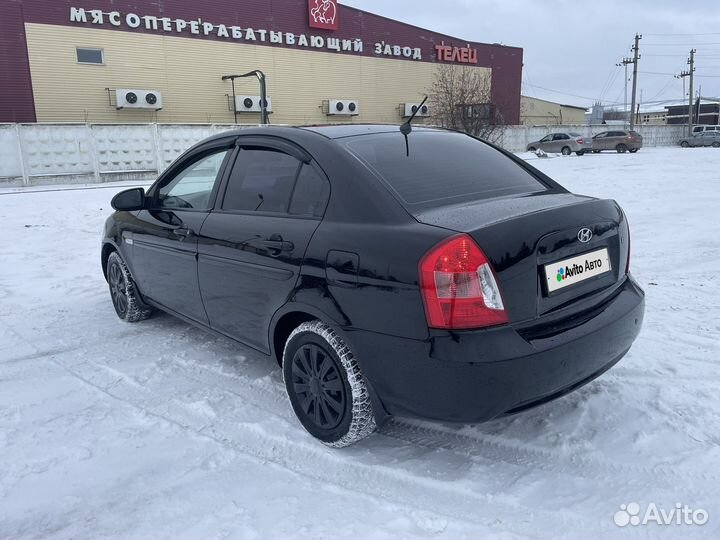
250,104
127,98
410,108
343,107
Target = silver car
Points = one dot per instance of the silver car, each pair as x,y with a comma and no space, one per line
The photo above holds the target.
703,138
564,143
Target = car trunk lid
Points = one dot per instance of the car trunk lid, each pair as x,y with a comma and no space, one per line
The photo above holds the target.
522,235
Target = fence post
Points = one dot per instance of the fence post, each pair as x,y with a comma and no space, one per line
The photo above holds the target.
21,155
94,153
158,149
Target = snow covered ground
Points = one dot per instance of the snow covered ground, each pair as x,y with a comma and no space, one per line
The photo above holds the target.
158,430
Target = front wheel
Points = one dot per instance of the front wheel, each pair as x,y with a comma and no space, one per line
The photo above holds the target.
621,148
326,387
716,144
581,153
123,291
596,151
685,144
634,150
566,151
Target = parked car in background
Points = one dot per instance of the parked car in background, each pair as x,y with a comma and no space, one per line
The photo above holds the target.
562,143
703,138
433,276
621,141
705,127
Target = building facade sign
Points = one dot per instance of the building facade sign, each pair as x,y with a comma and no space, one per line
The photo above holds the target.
323,14
463,55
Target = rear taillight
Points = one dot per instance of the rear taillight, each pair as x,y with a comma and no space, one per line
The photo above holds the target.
459,288
627,266
581,141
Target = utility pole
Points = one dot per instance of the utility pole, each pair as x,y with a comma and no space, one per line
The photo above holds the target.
625,62
636,58
690,73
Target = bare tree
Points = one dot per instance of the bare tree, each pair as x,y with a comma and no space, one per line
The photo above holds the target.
461,99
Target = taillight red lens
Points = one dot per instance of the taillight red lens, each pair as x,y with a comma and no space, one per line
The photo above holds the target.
627,266
581,141
459,288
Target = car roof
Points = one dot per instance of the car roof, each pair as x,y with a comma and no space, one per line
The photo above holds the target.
329,131
339,131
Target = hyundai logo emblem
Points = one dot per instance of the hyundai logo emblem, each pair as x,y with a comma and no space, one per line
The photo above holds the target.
585,235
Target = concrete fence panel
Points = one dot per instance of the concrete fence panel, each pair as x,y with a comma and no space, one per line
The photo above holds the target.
79,153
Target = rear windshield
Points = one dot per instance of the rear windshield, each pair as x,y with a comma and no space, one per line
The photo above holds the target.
443,168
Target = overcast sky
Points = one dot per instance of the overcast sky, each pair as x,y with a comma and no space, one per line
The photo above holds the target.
571,47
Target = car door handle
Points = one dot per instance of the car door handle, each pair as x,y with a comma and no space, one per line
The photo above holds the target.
274,244
183,232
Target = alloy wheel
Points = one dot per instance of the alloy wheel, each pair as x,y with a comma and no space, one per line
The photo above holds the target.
118,289
318,386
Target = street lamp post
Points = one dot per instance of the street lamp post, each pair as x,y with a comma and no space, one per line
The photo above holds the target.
263,92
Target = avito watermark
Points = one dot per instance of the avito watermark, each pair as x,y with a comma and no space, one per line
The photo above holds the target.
681,514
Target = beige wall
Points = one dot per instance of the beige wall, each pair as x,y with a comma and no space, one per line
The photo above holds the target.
188,73
538,112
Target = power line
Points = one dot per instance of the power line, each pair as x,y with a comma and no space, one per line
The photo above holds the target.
691,34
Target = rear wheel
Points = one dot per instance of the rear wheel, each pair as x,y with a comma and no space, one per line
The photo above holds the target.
566,151
581,153
123,291
634,150
685,144
326,387
621,148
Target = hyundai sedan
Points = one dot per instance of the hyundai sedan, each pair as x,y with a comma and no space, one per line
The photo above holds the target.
426,275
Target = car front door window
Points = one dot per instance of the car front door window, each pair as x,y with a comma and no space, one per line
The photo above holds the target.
192,187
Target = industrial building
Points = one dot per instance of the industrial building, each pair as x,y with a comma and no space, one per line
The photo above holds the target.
123,61
540,112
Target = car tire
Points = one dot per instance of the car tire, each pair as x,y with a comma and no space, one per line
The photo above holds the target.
326,387
685,144
596,151
532,149
126,300
716,144
566,151
581,153
621,148
634,150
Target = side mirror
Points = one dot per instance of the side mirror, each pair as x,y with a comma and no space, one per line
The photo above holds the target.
129,200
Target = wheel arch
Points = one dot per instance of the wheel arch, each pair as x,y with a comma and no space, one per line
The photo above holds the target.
289,317
107,248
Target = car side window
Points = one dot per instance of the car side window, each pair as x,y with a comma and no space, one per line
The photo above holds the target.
191,187
262,180
601,135
547,138
311,194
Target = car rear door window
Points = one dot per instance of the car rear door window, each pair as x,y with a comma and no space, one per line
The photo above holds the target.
261,180
442,168
311,194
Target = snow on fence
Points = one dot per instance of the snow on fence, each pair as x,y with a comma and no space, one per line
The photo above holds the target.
32,154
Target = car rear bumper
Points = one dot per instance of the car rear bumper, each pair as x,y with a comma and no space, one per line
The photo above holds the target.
479,375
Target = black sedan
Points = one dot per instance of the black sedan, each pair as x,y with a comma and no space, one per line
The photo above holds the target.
427,275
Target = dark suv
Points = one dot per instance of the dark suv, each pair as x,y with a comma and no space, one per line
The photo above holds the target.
429,275
620,141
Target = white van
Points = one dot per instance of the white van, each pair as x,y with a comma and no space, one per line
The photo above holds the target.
701,129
